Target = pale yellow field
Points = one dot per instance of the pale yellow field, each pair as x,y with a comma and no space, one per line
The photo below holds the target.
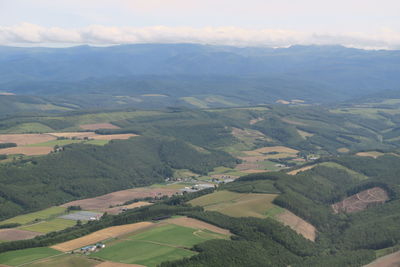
297,224
343,150
372,154
101,235
294,172
279,149
26,139
30,151
197,224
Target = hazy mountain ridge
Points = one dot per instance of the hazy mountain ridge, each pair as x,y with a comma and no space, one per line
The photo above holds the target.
312,73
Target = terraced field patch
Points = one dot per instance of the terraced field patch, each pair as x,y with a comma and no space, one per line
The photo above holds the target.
361,200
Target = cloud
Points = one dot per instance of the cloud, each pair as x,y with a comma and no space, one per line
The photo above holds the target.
30,34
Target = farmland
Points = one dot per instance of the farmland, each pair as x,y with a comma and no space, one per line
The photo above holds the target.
18,257
151,247
66,260
49,225
42,144
101,235
236,204
103,203
16,234
35,216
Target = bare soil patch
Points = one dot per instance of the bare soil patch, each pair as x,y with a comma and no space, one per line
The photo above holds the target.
119,209
254,121
30,151
309,167
297,224
26,139
96,126
372,154
102,203
343,150
391,260
107,233
361,200
246,166
16,234
197,224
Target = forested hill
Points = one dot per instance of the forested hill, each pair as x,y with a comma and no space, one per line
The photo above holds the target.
244,75
85,170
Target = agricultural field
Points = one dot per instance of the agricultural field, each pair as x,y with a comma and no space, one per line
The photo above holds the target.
49,225
36,216
162,243
101,235
391,260
361,200
13,234
66,260
24,256
237,204
103,203
97,126
42,144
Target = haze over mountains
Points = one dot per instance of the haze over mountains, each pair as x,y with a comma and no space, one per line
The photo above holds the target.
239,76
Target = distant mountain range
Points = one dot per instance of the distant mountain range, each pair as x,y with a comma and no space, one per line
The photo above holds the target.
232,75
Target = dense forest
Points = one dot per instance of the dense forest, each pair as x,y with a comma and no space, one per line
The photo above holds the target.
82,171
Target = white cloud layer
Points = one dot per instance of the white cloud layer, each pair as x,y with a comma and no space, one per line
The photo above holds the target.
34,35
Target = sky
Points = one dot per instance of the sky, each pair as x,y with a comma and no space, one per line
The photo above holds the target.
368,24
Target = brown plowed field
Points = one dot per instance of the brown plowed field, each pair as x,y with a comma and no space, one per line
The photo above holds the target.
197,224
97,126
391,260
117,198
30,151
26,139
297,224
16,234
98,236
117,210
361,200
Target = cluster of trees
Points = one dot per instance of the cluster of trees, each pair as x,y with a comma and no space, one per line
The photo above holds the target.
6,145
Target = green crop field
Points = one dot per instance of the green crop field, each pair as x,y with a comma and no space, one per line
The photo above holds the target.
142,252
237,204
150,248
39,215
49,226
18,257
67,260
